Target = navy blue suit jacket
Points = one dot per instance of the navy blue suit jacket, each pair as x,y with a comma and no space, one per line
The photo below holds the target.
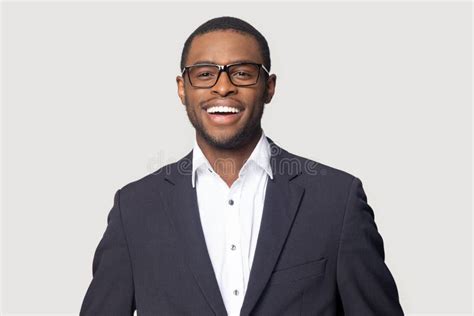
318,252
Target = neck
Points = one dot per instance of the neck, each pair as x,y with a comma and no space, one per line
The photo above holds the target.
228,162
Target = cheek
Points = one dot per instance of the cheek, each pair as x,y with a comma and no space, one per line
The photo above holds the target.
196,98
257,100
193,102
259,94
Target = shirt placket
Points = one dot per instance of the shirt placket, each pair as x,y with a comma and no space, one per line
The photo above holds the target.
233,253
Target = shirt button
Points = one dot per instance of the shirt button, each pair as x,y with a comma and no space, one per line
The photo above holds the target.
231,202
236,292
233,247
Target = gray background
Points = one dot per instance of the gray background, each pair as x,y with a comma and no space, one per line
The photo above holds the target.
89,103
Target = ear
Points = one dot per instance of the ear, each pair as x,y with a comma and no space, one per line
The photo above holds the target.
270,88
181,93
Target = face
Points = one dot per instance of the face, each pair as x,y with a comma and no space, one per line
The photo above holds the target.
225,131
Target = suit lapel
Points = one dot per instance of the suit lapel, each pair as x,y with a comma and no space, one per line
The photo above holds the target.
184,213
282,199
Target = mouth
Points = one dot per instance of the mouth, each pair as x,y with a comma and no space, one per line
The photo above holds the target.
223,114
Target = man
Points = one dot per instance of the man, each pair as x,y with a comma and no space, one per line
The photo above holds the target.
239,226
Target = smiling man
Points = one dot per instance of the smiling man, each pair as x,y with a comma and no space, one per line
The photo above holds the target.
239,226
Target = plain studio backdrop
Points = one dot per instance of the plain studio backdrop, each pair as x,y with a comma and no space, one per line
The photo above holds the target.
379,89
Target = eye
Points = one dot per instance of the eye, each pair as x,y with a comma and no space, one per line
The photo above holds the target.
241,74
205,74
244,71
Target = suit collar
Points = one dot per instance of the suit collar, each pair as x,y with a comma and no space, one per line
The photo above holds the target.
281,204
281,162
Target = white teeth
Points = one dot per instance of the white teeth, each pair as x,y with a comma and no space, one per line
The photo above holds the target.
222,109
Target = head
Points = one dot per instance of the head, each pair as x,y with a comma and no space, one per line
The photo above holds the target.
223,41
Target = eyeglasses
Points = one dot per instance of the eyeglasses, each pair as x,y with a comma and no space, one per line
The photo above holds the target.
207,75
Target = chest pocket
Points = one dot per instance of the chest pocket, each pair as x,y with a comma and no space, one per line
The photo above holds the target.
302,271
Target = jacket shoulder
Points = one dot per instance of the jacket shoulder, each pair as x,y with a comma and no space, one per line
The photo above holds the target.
151,183
312,171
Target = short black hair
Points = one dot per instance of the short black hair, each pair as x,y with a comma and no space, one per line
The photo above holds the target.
228,23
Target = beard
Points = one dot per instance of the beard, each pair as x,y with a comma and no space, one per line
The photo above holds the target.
240,138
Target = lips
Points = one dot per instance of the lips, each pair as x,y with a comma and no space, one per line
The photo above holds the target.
224,119
222,115
223,104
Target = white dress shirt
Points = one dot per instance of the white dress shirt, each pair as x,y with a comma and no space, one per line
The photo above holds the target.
231,217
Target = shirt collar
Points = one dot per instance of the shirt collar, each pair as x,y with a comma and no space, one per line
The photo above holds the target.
260,156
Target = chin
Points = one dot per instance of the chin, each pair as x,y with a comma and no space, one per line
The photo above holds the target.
227,141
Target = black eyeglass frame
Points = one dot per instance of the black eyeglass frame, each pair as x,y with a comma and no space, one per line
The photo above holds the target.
226,69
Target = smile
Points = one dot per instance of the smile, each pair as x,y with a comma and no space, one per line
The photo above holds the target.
223,115
222,110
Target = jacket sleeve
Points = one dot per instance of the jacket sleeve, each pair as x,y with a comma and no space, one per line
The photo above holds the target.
365,284
111,291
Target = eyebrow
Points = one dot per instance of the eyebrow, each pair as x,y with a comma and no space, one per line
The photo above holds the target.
233,62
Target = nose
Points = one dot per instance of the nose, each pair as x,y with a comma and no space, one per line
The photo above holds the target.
223,86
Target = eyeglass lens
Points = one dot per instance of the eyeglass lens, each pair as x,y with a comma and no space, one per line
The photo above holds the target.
240,74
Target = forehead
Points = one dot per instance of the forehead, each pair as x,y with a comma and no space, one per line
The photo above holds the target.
224,47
